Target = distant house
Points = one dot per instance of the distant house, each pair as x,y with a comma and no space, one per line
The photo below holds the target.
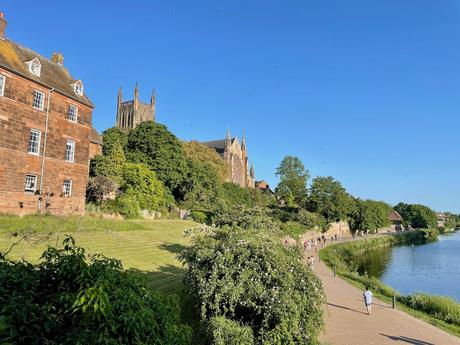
396,221
442,218
263,186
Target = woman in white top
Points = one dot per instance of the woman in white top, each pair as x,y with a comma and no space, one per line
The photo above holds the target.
367,296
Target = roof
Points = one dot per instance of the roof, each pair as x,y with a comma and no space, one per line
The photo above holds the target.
218,145
94,137
13,57
395,216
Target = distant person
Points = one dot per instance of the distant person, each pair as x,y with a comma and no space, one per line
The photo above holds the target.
367,296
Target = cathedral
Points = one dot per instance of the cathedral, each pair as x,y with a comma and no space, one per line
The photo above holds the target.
235,154
131,113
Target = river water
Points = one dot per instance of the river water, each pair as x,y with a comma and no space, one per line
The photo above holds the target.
433,268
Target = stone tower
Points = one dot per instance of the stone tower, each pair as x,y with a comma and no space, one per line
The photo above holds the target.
131,113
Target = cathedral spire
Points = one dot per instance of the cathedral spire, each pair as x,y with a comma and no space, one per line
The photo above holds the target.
228,139
136,96
152,103
251,171
243,141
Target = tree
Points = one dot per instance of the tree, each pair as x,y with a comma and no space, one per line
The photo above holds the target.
111,137
328,198
110,164
416,215
141,183
195,150
293,180
370,215
151,143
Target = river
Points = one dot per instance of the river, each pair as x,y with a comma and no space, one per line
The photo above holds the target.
433,268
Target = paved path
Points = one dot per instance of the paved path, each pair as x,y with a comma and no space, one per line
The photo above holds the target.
347,323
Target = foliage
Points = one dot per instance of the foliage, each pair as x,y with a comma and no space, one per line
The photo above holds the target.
293,229
222,331
312,221
370,215
233,195
201,188
245,218
70,298
126,205
199,216
99,188
195,150
328,198
140,183
292,187
417,216
151,143
251,278
113,137
110,164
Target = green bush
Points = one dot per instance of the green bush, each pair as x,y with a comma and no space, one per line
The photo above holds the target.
199,216
293,229
222,331
245,218
127,206
73,298
251,278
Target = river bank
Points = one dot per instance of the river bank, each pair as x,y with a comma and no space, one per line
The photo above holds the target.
437,310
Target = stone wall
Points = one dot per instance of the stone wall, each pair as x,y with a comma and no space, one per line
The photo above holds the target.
17,118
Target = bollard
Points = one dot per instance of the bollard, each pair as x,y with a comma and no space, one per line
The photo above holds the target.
394,300
335,271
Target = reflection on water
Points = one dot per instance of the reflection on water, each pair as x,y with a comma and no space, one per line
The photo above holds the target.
433,268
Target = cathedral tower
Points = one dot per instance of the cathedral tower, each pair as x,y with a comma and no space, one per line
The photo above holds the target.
131,113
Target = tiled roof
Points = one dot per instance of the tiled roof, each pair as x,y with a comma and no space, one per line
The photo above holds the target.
14,57
94,137
218,145
395,216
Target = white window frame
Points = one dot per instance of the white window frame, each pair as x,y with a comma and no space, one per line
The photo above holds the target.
67,188
41,96
78,88
2,85
37,146
70,154
30,189
73,111
36,62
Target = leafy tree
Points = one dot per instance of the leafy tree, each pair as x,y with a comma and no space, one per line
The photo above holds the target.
310,220
100,188
109,165
231,194
202,184
141,183
293,180
151,143
328,198
245,218
195,150
417,216
370,215
252,279
71,297
112,137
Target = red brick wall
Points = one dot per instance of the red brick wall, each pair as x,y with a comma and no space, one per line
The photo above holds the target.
17,117
94,150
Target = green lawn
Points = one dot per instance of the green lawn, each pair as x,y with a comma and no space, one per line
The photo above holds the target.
148,246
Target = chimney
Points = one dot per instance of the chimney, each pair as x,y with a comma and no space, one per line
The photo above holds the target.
58,58
2,26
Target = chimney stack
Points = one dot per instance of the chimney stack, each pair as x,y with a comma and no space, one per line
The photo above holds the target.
58,58
3,23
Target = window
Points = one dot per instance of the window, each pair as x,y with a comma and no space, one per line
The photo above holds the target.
78,87
73,113
67,188
34,141
70,151
39,98
2,84
31,184
35,67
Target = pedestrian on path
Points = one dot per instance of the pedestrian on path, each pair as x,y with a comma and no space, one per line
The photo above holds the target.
367,296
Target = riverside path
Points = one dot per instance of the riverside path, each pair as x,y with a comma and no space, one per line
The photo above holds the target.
347,322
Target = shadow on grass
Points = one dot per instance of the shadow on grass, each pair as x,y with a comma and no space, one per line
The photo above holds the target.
172,247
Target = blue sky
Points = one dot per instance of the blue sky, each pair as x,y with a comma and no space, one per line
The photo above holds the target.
365,91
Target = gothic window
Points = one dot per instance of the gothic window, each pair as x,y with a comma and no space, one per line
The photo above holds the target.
39,100
34,142
70,151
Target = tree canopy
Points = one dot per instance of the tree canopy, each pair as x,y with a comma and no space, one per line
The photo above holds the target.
293,180
195,150
416,215
370,215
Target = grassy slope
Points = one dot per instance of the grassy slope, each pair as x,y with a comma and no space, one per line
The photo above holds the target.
148,246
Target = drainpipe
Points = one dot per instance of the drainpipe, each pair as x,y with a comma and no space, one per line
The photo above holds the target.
44,147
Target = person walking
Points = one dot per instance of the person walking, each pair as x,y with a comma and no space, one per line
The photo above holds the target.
367,296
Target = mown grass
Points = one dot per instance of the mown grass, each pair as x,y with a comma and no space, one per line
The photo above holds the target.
146,246
439,311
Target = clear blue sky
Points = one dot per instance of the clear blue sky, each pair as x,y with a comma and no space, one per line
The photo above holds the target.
365,91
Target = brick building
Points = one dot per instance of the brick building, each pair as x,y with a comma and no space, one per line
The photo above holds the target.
235,154
131,113
45,133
